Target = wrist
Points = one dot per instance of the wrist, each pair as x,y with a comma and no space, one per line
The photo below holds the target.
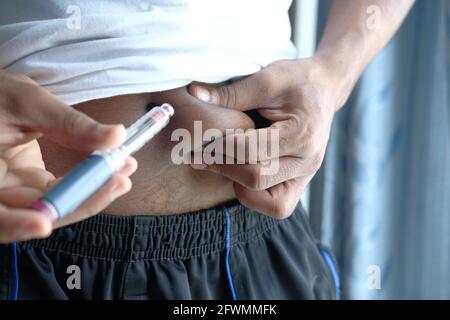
344,60
341,73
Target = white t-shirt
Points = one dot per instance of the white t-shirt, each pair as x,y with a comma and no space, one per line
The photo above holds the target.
87,49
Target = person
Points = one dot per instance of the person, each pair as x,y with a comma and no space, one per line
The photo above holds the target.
23,177
180,233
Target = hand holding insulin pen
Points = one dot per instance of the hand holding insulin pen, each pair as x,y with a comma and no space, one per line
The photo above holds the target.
93,172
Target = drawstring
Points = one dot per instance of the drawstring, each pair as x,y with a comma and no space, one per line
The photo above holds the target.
227,252
14,293
334,272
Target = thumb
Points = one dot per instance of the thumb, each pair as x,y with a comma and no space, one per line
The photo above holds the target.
247,94
278,201
69,127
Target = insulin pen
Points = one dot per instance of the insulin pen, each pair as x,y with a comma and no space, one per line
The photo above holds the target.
93,172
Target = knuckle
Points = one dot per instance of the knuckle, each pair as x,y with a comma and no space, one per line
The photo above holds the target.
18,77
308,141
266,82
281,210
316,162
286,141
227,96
16,103
73,121
284,68
12,86
294,135
255,181
25,80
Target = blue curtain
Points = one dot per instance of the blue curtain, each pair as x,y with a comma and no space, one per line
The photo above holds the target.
382,198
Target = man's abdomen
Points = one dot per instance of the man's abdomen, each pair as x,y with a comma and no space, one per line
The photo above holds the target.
159,185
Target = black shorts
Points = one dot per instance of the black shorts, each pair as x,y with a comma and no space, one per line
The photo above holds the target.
227,252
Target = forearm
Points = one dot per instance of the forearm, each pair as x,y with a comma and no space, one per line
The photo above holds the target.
355,32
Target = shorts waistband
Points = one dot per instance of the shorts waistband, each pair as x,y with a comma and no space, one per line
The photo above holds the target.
130,238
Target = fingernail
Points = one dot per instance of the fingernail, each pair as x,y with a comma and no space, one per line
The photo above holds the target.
201,166
101,128
203,94
130,166
107,128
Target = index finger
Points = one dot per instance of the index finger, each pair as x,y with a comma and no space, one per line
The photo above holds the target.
63,124
248,147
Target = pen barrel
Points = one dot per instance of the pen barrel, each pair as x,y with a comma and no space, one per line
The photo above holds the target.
92,173
79,184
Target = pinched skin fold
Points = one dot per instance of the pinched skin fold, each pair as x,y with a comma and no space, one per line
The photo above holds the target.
160,187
